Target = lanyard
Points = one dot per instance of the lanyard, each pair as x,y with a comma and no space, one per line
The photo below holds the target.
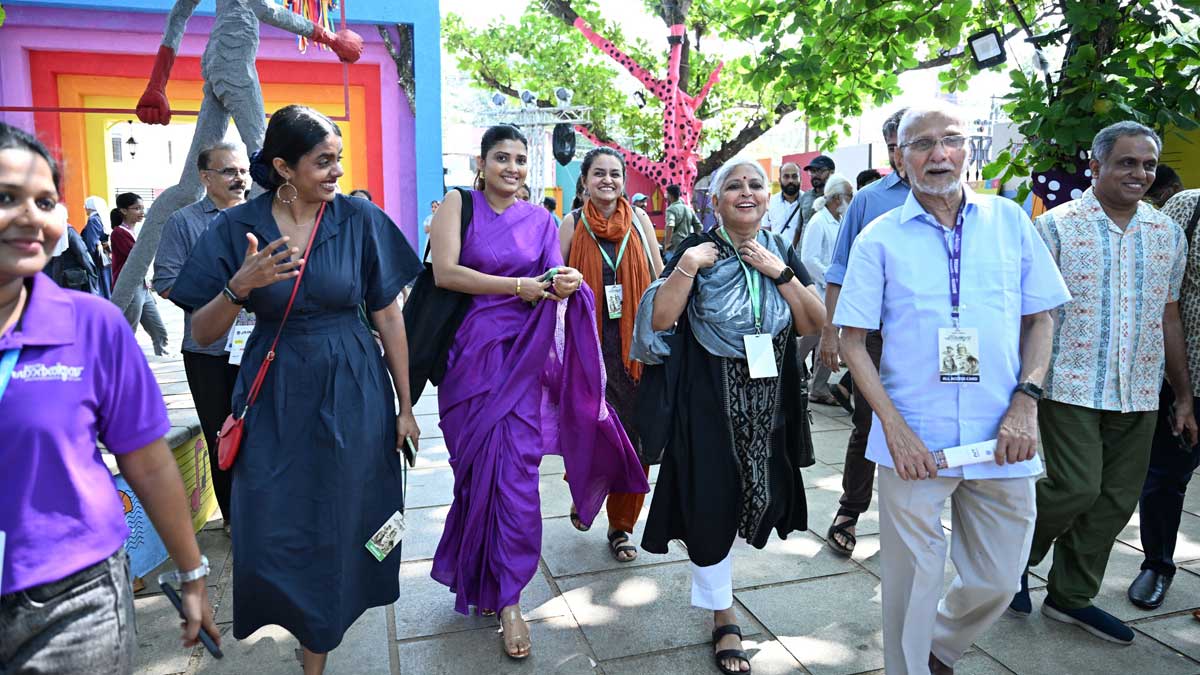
620,252
753,282
954,253
8,363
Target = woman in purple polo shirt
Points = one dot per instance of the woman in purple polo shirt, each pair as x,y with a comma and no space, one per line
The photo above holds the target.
71,373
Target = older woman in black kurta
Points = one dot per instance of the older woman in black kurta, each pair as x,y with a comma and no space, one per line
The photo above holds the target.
731,464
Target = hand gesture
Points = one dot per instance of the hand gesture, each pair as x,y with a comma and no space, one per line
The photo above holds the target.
830,344
199,614
533,290
153,108
912,459
698,257
262,268
566,282
761,258
1018,435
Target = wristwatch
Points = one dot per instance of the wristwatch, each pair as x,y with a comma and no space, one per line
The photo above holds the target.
233,297
785,276
184,577
1029,389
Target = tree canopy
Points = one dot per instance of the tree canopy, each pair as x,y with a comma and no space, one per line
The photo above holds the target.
830,59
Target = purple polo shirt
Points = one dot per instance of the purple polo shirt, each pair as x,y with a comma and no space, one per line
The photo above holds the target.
80,377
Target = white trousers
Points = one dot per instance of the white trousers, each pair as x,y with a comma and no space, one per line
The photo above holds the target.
712,586
993,523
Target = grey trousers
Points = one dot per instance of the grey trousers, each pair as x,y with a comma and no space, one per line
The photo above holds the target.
80,624
818,386
993,523
145,311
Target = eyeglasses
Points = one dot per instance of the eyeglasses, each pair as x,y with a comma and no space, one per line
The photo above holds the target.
953,142
231,172
892,147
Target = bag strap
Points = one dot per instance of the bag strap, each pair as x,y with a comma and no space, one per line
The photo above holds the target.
465,217
266,364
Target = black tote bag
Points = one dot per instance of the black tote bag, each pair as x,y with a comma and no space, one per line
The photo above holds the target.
432,316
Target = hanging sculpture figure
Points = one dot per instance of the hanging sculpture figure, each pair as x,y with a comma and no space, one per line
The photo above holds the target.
231,88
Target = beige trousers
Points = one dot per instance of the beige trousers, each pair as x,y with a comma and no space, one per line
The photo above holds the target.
993,523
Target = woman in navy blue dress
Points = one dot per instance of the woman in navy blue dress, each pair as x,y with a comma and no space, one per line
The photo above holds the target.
319,470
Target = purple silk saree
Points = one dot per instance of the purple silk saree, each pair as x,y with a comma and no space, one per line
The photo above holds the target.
521,383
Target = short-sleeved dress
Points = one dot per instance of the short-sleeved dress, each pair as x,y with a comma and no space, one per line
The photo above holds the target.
317,473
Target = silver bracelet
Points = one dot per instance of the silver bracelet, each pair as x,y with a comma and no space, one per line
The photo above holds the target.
175,576
681,271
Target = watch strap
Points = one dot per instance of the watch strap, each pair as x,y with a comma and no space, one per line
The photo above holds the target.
785,276
233,297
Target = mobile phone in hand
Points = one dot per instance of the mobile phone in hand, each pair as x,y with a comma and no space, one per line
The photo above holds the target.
549,275
410,452
205,638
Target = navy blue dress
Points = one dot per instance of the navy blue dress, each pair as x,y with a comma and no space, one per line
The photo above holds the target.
318,473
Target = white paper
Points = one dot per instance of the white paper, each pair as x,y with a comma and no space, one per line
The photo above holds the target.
760,355
971,453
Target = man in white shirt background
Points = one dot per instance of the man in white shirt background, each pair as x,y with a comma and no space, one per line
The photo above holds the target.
783,211
816,252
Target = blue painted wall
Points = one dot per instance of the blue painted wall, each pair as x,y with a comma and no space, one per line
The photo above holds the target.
423,15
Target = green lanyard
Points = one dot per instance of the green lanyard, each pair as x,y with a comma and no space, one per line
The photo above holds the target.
620,252
753,282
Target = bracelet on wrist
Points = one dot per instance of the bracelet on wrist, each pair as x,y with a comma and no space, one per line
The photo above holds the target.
175,576
518,286
684,273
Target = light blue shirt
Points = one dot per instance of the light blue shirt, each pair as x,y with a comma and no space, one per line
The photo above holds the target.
873,201
899,277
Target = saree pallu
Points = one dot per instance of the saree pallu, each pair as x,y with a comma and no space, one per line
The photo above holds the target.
521,382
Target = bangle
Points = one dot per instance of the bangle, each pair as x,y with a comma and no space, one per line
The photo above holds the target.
518,286
185,577
684,273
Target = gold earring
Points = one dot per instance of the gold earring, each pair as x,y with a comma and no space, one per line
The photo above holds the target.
279,192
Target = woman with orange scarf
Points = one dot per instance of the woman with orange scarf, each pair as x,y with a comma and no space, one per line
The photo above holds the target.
615,248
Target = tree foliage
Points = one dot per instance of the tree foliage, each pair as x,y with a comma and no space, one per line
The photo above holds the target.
830,59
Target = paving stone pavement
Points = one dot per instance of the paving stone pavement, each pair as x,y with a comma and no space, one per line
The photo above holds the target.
803,609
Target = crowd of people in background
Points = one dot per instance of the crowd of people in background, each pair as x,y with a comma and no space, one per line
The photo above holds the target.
592,338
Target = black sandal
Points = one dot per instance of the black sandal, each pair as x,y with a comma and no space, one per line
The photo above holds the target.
575,521
842,396
618,544
741,655
842,530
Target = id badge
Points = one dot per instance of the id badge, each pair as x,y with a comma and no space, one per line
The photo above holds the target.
385,538
238,336
958,355
615,297
760,355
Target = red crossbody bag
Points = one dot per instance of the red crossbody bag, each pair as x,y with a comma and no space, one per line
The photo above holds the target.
229,440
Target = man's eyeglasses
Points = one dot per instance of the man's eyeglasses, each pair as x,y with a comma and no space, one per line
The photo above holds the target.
953,142
231,172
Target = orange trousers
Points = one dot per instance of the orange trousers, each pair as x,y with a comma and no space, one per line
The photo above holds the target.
623,507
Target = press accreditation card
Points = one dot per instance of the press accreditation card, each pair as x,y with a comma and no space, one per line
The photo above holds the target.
760,355
614,295
238,335
960,455
958,354
385,539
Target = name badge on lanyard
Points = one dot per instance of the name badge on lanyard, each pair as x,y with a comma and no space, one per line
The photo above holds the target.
958,347
614,294
760,350
243,326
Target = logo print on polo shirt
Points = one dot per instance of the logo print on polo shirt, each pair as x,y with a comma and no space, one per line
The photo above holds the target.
38,372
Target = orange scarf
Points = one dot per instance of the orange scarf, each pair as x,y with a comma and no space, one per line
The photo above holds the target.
633,272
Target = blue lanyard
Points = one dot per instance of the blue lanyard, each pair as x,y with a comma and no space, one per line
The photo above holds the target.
954,252
8,363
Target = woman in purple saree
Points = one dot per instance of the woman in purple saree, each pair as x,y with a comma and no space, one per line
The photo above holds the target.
525,378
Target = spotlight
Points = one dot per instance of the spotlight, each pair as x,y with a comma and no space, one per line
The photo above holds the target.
563,94
987,48
527,97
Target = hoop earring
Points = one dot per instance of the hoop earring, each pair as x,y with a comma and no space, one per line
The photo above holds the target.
279,192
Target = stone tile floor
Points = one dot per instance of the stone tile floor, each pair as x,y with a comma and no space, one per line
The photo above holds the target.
803,609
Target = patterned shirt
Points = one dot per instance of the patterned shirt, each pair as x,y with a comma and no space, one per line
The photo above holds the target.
1180,209
1108,341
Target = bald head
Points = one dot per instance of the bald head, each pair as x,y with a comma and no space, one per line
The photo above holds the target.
789,180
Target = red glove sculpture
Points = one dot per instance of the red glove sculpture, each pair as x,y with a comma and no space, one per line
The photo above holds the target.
152,107
347,44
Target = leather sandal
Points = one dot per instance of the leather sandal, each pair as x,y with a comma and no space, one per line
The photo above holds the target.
739,654
843,530
618,545
514,637
577,523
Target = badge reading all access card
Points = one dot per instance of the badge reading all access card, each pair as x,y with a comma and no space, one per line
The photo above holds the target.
614,297
958,355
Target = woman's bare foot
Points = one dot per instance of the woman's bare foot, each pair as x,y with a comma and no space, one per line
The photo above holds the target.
516,632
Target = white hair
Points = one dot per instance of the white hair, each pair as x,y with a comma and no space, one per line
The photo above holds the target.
727,168
919,113
837,183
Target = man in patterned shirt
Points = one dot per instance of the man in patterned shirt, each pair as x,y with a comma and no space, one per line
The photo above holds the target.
1171,462
1123,262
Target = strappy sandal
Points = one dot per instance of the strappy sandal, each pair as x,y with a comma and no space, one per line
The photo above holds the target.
513,637
618,545
719,657
575,521
842,529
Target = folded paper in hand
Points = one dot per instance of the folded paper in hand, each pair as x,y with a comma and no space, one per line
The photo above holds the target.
971,453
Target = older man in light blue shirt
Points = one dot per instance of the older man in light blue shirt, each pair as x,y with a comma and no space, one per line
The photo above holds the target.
949,270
